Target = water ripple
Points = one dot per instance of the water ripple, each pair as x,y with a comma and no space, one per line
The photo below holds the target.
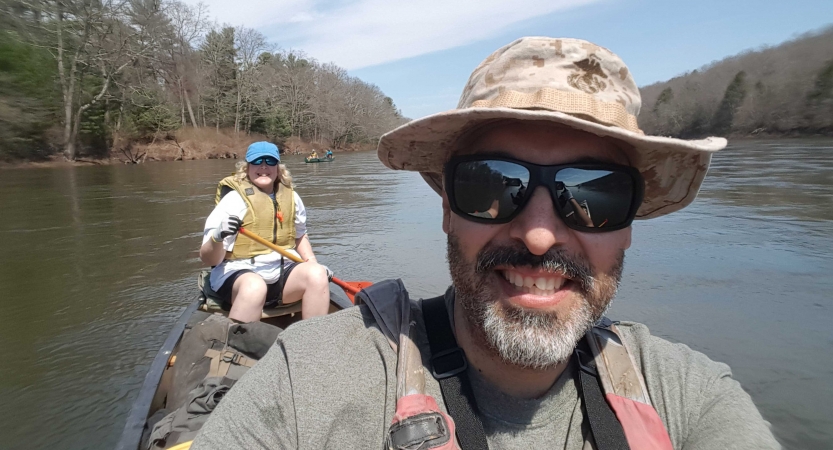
103,263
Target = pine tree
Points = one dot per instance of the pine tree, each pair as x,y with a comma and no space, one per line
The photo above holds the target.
732,99
219,95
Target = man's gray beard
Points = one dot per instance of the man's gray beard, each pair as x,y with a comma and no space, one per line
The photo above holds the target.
528,339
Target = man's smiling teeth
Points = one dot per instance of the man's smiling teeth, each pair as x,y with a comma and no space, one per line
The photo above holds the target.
536,286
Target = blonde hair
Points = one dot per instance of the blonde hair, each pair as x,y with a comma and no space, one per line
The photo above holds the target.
241,172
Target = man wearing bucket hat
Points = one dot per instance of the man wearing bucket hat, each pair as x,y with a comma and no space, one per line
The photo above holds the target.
541,170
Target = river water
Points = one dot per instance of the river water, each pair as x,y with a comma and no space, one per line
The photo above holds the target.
98,262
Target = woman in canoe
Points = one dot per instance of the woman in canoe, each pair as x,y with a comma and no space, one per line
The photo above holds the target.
247,275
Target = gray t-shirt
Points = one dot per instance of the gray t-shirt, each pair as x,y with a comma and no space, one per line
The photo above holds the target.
330,383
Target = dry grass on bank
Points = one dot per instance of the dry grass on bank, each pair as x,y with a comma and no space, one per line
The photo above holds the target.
186,144
298,146
209,143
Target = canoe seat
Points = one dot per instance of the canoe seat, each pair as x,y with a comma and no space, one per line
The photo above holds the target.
212,301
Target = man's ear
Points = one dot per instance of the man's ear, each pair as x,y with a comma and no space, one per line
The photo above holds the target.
446,213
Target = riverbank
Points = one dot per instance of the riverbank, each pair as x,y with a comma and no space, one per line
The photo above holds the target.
183,145
201,144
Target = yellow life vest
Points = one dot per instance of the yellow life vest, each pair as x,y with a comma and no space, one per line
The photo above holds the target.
273,220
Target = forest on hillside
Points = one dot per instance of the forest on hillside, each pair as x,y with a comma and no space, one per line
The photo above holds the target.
785,90
78,76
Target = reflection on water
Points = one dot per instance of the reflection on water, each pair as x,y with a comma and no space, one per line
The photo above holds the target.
743,274
99,261
788,179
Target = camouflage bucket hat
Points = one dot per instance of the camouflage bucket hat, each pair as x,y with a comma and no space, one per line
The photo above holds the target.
570,82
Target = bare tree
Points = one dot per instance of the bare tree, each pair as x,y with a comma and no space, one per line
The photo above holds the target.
785,91
187,24
249,44
89,39
158,65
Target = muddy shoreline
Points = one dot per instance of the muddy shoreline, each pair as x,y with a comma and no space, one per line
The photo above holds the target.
192,145
188,145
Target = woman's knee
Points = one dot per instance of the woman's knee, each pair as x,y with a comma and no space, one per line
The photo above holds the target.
250,285
316,275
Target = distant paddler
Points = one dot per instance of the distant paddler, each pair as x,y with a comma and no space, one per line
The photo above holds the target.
313,155
247,275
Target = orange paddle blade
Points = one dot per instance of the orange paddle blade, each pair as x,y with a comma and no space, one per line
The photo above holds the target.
359,285
351,288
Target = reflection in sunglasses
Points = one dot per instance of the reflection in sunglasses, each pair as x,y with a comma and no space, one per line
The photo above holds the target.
586,196
579,213
519,197
269,162
512,182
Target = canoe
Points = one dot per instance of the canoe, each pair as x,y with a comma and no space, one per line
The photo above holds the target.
318,160
159,387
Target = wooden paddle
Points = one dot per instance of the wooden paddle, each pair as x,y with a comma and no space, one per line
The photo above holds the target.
350,287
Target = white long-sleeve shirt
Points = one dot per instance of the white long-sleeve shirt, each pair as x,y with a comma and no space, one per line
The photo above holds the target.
267,266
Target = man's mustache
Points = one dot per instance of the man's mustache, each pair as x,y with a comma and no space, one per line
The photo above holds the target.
554,260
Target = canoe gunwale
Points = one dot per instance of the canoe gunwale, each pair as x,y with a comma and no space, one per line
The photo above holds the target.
134,427
132,435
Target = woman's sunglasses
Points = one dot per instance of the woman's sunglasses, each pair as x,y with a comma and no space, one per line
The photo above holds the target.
589,197
265,159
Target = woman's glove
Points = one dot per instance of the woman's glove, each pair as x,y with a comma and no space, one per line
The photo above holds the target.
227,228
329,272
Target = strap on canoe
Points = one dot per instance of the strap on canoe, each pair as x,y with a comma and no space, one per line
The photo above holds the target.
223,360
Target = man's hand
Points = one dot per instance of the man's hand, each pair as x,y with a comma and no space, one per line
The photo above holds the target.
227,228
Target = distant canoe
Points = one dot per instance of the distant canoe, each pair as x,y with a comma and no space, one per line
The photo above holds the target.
318,160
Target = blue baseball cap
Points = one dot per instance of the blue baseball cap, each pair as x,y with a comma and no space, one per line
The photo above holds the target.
262,148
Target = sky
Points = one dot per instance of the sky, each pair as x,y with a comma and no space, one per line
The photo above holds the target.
421,52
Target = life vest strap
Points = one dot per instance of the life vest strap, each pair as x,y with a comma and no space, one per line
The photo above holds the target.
420,424
613,392
606,429
459,399
454,379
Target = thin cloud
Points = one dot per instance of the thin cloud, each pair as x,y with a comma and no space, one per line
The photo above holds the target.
302,17
261,14
364,33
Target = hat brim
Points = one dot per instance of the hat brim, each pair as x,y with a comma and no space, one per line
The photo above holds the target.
250,158
673,169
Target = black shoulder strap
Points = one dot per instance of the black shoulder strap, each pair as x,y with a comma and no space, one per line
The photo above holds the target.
605,427
448,365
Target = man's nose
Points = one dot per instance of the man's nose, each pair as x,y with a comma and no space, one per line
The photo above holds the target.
538,225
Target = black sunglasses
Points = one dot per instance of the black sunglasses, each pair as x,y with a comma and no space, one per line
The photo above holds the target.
270,161
589,197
